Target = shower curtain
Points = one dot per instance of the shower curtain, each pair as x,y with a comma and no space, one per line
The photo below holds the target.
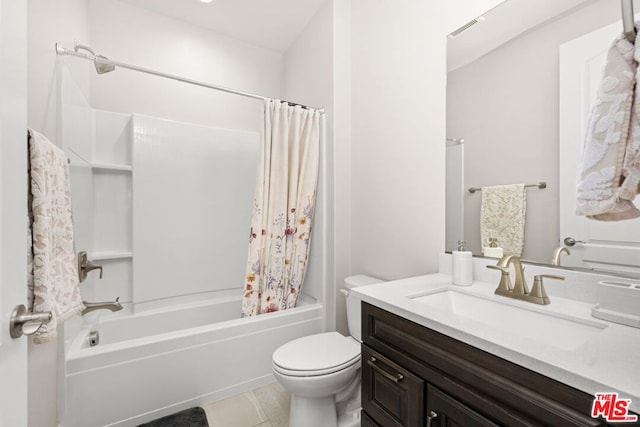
283,207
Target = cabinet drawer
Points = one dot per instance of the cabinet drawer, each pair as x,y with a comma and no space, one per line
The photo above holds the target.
392,395
444,410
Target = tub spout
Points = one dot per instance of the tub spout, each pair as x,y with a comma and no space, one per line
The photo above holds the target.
90,306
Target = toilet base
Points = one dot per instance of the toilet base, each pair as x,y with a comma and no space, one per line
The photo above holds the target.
350,419
350,408
325,412
313,412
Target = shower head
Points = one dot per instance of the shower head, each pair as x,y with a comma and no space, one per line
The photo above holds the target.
101,67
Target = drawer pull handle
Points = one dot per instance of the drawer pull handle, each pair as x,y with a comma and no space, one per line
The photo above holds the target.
432,415
395,378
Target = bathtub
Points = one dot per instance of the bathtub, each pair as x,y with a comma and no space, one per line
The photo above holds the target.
156,362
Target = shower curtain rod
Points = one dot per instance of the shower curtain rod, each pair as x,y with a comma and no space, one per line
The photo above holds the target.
97,59
628,23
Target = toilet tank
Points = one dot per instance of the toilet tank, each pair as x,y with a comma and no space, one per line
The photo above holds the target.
353,303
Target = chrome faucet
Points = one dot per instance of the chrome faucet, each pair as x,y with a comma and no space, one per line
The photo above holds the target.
110,305
556,254
520,290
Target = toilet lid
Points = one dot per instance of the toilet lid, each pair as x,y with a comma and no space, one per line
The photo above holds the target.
326,352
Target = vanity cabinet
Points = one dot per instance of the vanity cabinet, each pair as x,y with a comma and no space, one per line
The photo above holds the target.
414,376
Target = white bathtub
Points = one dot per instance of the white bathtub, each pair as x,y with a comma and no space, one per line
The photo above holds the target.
157,362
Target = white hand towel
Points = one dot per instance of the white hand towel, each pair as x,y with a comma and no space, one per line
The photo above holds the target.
53,272
610,169
502,215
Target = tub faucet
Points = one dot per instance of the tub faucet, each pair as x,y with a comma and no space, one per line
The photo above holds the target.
91,306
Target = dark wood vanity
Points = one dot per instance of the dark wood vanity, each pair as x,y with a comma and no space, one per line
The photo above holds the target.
414,376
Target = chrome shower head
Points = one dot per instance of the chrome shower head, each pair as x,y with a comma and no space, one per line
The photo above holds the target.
101,67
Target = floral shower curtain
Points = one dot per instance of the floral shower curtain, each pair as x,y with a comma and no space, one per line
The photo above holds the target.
283,207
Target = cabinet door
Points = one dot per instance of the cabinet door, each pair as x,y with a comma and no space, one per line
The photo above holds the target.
443,410
366,421
391,395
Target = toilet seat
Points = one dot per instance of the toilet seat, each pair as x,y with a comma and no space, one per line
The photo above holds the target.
319,354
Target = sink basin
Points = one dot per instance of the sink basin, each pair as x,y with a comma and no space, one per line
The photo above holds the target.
561,331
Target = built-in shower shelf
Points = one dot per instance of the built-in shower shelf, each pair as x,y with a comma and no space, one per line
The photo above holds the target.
111,167
107,255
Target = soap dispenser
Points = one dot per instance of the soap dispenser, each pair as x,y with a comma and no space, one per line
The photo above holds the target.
493,250
462,266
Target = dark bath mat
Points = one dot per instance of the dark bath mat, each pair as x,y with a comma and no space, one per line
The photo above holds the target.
192,417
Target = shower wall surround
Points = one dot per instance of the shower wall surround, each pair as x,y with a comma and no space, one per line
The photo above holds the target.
98,144
193,188
165,206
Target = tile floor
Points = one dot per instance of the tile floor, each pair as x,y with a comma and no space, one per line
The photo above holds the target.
267,406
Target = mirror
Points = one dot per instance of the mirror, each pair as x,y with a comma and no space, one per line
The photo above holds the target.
503,97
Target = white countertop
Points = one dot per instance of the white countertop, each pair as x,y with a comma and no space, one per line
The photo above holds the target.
609,361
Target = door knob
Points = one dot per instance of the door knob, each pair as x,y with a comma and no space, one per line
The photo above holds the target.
25,323
570,241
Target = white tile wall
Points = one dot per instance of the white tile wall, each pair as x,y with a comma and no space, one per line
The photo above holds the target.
193,189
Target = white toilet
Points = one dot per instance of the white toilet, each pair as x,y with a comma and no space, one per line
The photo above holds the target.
322,371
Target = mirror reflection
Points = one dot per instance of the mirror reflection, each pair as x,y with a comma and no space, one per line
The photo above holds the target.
507,123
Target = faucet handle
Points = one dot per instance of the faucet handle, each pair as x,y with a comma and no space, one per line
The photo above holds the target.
505,282
538,292
85,266
539,277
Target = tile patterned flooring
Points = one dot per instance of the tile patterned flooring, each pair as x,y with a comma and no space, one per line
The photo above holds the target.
267,406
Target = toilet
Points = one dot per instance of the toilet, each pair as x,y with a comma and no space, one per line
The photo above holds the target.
322,371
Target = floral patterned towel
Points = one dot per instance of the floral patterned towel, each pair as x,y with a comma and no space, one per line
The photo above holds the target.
53,272
502,215
610,169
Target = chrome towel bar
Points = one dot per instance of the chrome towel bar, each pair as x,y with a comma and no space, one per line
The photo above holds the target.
24,323
540,185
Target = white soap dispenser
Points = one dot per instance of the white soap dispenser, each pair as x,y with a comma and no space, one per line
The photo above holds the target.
462,266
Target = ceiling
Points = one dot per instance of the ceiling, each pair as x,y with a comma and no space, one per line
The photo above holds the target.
272,24
502,23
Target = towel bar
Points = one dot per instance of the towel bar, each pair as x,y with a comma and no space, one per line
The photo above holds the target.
540,185
24,323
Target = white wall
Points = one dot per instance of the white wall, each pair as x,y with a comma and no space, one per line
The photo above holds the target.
50,22
341,154
308,79
505,106
133,35
397,141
